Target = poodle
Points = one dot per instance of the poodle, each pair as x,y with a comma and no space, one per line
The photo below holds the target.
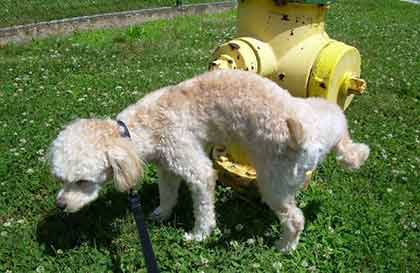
175,128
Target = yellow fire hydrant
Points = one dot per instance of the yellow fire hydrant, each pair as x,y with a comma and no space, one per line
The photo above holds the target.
286,42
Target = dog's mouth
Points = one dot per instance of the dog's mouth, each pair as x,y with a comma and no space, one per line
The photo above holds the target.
73,201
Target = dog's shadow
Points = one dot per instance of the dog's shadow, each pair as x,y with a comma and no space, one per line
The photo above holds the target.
92,225
98,225
241,217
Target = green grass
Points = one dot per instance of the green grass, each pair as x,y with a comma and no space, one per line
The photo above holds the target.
31,11
365,221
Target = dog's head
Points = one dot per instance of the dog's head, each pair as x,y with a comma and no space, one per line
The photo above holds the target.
85,155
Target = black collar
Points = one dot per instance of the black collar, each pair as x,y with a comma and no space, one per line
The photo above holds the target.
125,132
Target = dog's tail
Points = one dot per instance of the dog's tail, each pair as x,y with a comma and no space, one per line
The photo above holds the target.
351,155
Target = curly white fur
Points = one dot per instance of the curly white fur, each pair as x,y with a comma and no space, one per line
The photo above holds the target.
175,128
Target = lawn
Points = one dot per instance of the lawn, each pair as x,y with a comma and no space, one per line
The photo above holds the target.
364,221
14,12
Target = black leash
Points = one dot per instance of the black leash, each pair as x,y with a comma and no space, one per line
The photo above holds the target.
135,206
149,256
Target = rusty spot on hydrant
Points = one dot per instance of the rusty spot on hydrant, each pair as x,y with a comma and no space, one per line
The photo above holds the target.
234,46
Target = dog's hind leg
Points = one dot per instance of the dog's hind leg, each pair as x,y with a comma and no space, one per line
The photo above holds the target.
168,194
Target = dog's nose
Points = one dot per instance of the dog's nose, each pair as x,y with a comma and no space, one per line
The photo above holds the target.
60,204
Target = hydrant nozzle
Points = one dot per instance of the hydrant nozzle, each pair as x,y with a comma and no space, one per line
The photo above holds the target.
355,86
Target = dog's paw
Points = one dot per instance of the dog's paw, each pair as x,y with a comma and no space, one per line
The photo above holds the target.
286,246
158,215
195,236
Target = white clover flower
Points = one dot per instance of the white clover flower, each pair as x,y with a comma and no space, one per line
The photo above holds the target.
250,241
234,244
277,266
312,268
239,227
204,261
30,171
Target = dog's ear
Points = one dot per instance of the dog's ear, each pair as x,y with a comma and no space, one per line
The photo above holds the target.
351,155
126,165
296,133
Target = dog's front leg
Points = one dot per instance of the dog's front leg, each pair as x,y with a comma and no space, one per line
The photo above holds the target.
202,182
293,222
187,159
291,217
168,194
204,213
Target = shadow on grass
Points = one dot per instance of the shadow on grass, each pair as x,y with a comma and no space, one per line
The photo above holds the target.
97,224
311,210
254,219
245,212
93,225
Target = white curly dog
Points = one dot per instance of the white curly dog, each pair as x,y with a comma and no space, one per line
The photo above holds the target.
175,128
